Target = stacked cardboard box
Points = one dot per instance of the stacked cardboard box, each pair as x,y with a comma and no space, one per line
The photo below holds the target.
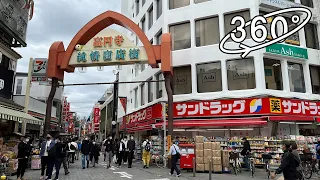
225,160
216,157
207,154
199,153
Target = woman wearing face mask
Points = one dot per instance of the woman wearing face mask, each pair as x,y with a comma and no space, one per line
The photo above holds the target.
23,154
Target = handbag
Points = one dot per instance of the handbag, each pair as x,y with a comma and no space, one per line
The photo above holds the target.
177,153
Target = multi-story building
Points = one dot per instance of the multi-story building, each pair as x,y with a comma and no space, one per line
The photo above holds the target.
39,93
277,83
14,16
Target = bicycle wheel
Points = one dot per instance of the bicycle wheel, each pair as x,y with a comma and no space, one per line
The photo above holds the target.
307,170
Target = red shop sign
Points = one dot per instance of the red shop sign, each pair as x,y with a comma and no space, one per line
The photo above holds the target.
246,106
145,114
96,116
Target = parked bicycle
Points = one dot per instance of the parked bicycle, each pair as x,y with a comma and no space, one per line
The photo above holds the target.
266,159
235,162
252,165
309,165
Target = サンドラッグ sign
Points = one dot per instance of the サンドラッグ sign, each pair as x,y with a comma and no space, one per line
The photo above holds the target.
108,47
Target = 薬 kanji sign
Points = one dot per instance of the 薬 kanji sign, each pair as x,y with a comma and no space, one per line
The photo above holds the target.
108,47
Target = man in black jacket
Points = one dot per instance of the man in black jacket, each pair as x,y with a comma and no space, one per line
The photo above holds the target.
23,155
289,164
85,150
131,147
60,155
246,151
108,143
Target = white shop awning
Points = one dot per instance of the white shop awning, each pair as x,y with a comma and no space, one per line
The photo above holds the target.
14,115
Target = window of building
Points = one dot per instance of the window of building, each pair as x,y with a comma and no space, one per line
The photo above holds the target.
308,3
150,90
142,94
135,97
227,22
143,20
178,3
209,77
19,87
273,74
5,61
150,17
159,8
182,83
311,34
294,38
159,85
143,67
296,77
136,70
315,81
137,7
143,2
207,31
158,38
241,74
181,36
200,1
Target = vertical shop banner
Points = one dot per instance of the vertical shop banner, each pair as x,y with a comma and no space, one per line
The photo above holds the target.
123,101
96,116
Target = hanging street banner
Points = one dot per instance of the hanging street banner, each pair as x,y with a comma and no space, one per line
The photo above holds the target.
109,47
123,101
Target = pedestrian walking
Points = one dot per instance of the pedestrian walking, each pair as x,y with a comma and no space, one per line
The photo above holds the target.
116,146
175,154
85,151
108,148
94,153
64,145
122,149
126,151
60,149
72,148
47,158
146,145
289,164
23,155
131,148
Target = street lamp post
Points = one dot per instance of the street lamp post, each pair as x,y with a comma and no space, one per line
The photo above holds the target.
115,102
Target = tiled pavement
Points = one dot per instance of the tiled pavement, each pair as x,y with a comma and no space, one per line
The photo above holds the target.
136,173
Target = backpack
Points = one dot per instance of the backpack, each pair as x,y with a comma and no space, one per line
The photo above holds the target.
147,147
72,147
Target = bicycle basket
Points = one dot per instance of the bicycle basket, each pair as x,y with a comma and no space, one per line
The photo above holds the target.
266,156
306,157
234,155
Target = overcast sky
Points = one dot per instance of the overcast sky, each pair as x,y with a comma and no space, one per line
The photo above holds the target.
60,20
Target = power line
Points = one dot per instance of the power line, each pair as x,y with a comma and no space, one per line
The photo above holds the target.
124,82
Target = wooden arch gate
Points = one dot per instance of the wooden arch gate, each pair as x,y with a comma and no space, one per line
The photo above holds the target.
59,57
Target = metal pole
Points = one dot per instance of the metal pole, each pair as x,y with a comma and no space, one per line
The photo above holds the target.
194,166
167,77
164,133
49,106
210,169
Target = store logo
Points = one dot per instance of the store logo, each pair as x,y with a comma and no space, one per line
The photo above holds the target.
1,84
255,105
264,30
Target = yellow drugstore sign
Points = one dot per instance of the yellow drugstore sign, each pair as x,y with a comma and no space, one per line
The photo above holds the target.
109,47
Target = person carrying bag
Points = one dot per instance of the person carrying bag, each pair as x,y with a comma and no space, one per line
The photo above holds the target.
175,156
